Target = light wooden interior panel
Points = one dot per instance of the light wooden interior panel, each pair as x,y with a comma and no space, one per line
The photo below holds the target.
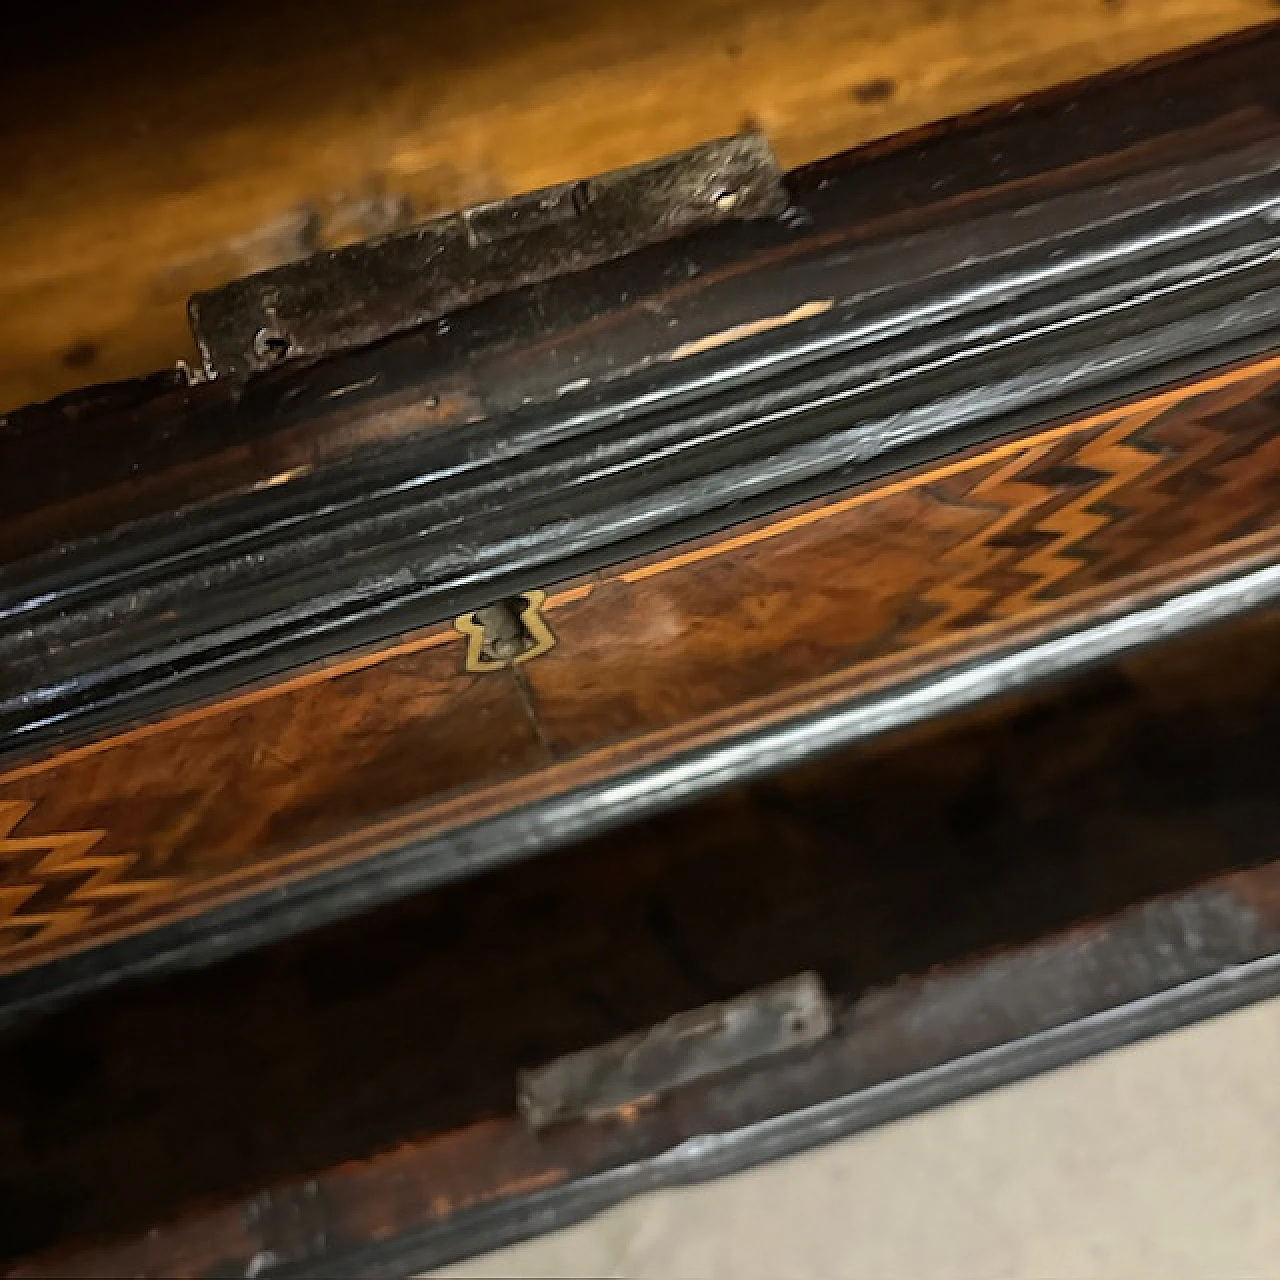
148,152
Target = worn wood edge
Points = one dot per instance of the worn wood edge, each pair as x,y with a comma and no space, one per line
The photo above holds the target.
812,167
147,667
322,277
1156,966
130,663
347,297
865,680
706,1157
714,544
141,228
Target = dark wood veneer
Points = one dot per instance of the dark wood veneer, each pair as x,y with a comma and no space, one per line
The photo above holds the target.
952,841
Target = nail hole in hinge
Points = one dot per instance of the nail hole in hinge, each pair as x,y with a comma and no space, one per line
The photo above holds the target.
270,345
506,632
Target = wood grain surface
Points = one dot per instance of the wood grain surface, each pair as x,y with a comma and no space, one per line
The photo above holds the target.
968,547
149,153
179,1116
838,600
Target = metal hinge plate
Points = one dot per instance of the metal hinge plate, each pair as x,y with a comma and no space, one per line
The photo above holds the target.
351,296
702,1042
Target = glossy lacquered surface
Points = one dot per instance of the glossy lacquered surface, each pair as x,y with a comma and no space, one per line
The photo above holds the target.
349,783
899,578
163,544
985,895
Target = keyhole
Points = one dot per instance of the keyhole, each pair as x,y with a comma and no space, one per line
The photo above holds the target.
505,634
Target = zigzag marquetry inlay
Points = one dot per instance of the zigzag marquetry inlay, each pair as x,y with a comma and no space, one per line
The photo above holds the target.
236,798
53,885
1068,512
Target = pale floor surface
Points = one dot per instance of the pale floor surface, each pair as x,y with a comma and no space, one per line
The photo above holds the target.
1159,1160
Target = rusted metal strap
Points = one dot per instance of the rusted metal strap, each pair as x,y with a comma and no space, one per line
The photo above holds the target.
361,293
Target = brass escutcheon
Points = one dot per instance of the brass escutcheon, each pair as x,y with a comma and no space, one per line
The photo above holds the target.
505,633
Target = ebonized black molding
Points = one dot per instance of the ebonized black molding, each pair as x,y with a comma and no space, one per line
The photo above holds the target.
1133,1017
1140,247
413,865
959,938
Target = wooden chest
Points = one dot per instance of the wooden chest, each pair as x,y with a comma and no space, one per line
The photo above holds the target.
615,684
